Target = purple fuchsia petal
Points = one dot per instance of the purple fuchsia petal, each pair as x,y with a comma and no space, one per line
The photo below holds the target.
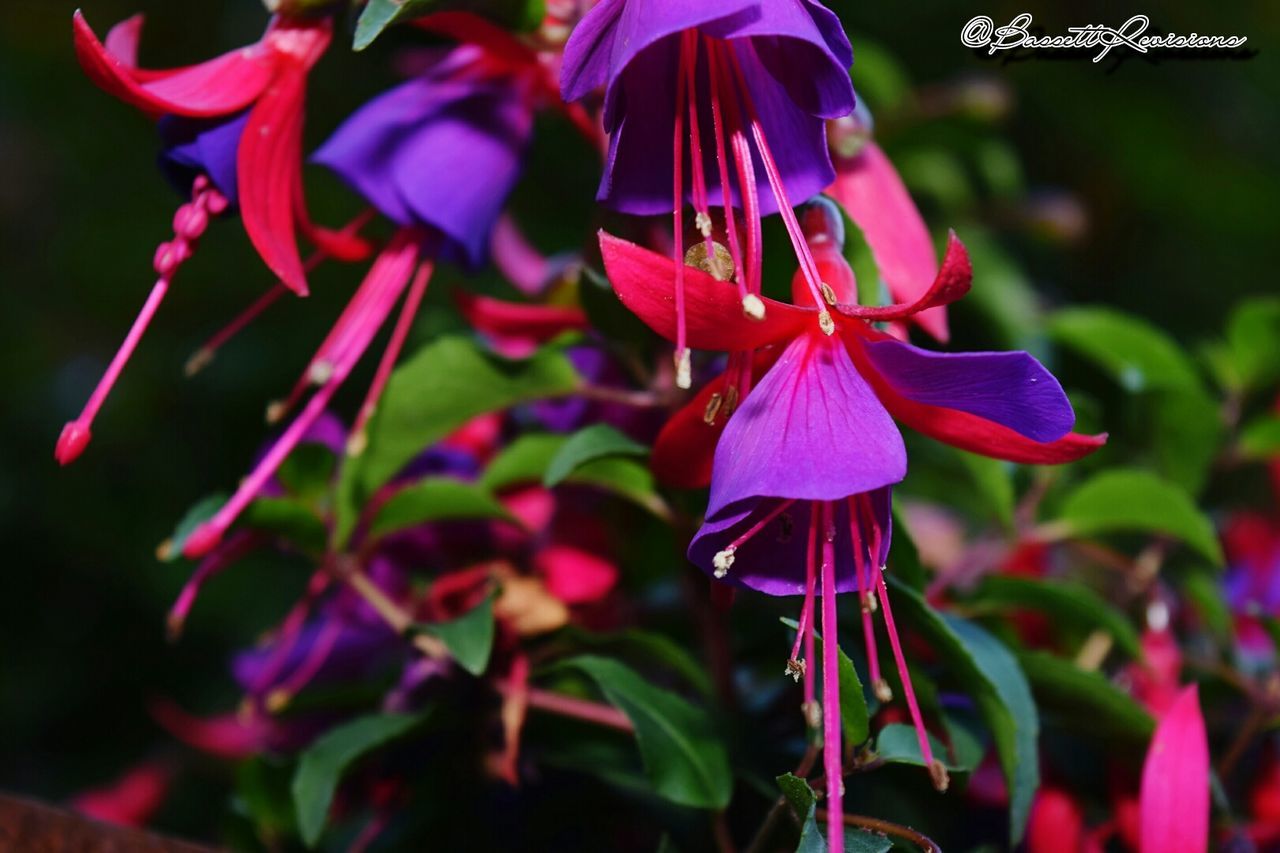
1174,799
1008,388
201,147
812,429
437,151
773,560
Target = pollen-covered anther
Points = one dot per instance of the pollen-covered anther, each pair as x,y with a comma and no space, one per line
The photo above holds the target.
712,409
753,307
722,562
703,223
871,604
812,713
199,361
882,690
795,668
730,401
825,323
320,372
276,410
718,265
684,369
829,294
939,775
357,443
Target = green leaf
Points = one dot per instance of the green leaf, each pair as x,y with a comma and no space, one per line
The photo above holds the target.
469,638
656,647
1137,355
904,557
1260,438
1187,430
380,14
436,499
597,441
1085,699
323,763
444,385
897,743
1253,334
1136,500
527,459
307,471
855,719
1066,600
289,519
200,512
986,670
1202,589
607,313
994,481
679,745
803,803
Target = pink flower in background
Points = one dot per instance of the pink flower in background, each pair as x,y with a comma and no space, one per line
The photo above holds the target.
1174,800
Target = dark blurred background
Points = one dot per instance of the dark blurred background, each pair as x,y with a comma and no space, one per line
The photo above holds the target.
1164,176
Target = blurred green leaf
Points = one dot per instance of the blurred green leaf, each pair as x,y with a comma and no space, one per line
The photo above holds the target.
200,512
377,15
469,638
994,481
598,441
679,745
656,647
323,763
1085,699
1260,438
1135,500
987,671
607,313
904,557
803,804
262,792
1138,356
1188,430
1202,588
855,719
290,519
1066,600
1253,333
879,76
444,385
436,499
307,471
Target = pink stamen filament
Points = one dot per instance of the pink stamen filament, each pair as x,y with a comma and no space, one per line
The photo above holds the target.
798,242
412,301
683,379
864,591
689,49
810,587
831,747
189,222
722,162
727,551
922,734
380,290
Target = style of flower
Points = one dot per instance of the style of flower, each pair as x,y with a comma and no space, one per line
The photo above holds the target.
232,134
755,79
802,472
438,156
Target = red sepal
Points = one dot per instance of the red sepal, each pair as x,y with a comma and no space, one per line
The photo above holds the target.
500,318
645,282
953,281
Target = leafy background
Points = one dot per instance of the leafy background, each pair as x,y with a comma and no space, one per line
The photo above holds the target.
1167,172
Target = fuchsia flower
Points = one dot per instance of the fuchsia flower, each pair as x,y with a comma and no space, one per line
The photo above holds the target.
802,472
232,128
437,155
757,80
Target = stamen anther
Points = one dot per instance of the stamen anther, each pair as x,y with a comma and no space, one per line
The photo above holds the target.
828,294
321,371
939,775
719,264
795,668
882,690
276,410
753,307
684,369
712,409
703,223
825,323
730,401
722,562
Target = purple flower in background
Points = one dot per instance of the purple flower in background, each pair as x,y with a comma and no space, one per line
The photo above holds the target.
441,151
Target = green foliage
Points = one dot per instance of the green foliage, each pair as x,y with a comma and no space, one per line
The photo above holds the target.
1137,355
679,744
598,441
321,766
200,512
803,805
436,499
290,520
1066,601
855,719
1253,335
377,15
1085,700
1133,500
469,638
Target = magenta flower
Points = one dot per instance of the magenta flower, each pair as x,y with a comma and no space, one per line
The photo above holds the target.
757,81
1174,799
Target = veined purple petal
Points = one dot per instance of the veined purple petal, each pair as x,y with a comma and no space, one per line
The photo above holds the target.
194,147
1009,388
773,560
812,429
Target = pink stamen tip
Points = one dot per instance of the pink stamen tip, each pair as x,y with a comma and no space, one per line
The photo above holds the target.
72,442
203,540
